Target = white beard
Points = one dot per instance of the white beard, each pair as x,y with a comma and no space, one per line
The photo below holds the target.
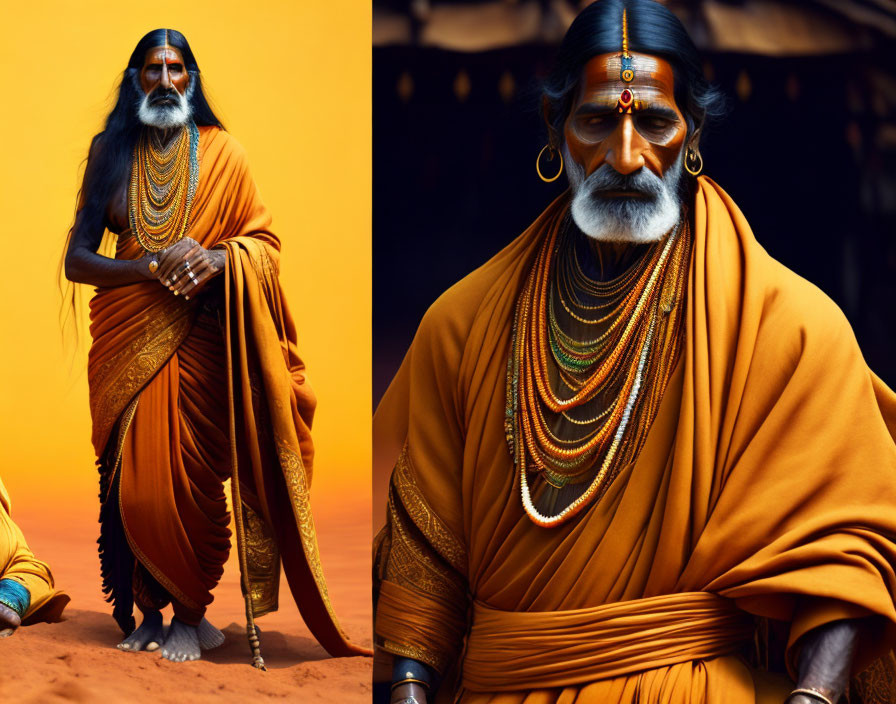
634,220
166,116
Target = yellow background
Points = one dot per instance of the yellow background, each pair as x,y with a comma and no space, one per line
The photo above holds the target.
291,81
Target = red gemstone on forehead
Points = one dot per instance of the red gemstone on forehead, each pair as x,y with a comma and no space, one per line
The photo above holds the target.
626,96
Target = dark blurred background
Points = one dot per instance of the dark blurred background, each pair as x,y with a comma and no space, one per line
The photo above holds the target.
808,149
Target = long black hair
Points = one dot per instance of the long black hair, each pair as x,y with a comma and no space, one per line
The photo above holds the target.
111,150
652,29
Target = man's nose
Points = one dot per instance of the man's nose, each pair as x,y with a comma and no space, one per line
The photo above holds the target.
165,81
625,148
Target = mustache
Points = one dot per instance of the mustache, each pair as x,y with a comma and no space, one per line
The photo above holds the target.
160,95
642,182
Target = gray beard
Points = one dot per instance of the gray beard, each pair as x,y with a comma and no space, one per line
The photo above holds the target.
166,116
634,220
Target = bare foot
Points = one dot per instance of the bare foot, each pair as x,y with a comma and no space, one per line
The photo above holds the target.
10,621
181,642
209,636
147,637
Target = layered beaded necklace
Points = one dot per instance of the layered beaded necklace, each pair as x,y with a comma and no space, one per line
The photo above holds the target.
163,183
590,361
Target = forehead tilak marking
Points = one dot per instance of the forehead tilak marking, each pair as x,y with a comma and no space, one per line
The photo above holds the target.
165,57
626,101
168,48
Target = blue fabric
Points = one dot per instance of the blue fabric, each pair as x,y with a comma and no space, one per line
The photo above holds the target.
405,668
15,596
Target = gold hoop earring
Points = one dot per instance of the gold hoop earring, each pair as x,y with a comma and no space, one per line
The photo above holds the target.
692,156
550,158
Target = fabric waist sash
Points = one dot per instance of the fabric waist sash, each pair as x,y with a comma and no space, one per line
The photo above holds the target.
516,650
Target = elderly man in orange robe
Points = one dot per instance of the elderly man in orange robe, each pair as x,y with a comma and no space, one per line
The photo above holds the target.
193,371
632,447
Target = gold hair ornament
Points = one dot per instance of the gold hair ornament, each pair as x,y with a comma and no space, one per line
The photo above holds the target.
627,72
551,153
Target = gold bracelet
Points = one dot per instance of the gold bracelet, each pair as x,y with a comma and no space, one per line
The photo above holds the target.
411,680
810,692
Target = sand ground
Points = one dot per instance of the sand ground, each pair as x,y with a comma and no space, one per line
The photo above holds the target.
76,660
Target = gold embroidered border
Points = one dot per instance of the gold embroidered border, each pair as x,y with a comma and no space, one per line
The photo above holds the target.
263,560
433,528
121,377
294,474
413,563
439,662
124,425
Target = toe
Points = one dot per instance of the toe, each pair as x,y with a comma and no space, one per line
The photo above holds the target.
7,632
152,646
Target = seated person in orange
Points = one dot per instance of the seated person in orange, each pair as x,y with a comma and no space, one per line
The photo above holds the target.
632,436
27,593
193,371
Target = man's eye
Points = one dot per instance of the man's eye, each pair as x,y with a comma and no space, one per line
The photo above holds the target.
595,120
655,123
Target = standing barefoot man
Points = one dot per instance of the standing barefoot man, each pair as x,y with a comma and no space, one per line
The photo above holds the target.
193,371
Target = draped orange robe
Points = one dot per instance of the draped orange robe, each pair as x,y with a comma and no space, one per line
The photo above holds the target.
766,488
185,394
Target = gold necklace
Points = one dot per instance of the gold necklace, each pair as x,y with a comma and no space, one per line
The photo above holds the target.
163,183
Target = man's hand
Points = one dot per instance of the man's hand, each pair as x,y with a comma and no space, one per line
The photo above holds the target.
186,267
412,690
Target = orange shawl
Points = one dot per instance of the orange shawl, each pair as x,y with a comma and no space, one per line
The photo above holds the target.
155,377
766,487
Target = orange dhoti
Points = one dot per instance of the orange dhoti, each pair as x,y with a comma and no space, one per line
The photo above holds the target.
186,394
174,459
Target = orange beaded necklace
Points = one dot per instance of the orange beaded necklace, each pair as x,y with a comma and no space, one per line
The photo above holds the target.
590,361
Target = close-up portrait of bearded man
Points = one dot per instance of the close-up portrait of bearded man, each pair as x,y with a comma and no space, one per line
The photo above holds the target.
632,457
193,372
